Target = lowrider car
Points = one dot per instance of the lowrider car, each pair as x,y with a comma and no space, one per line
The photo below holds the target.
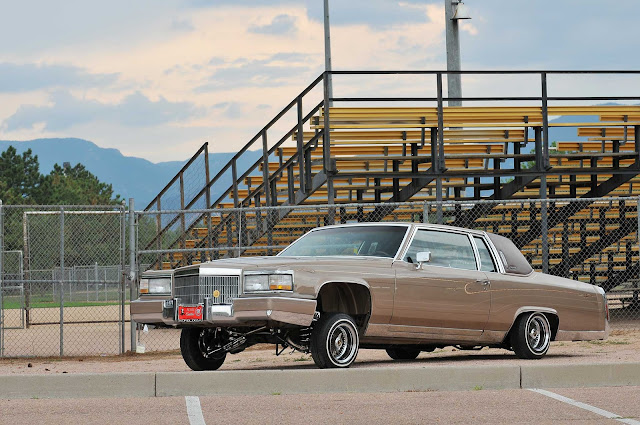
401,287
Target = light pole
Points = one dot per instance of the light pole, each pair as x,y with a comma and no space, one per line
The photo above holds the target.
327,48
454,10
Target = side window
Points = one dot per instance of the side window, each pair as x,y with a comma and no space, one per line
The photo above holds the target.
487,264
447,249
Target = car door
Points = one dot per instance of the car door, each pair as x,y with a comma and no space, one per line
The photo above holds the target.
448,294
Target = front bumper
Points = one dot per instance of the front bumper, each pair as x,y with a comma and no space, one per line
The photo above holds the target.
242,311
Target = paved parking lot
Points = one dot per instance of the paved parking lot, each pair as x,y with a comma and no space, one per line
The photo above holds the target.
463,407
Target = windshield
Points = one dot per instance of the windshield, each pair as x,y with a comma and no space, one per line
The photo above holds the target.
372,241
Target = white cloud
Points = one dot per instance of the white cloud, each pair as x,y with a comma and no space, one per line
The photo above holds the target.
155,78
66,111
16,77
280,25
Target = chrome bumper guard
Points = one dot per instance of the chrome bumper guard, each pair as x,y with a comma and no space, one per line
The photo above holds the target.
280,309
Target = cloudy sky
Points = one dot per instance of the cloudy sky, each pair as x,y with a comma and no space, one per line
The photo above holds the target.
157,78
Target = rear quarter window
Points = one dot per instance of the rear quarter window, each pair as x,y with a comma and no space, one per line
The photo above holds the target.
511,257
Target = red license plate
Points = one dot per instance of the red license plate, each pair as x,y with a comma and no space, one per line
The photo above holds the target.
190,314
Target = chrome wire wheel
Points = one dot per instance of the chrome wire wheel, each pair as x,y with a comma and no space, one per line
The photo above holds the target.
335,341
538,333
342,344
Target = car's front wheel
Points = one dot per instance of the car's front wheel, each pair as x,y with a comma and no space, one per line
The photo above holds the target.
531,336
402,353
196,346
334,341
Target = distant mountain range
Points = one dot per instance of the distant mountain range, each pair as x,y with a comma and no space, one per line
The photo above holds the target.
142,180
131,177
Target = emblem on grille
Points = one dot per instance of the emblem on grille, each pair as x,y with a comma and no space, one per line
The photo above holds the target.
216,293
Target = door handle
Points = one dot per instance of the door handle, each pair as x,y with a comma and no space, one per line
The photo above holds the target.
483,282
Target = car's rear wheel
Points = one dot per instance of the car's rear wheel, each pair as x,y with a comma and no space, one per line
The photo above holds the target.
196,346
531,336
334,341
402,353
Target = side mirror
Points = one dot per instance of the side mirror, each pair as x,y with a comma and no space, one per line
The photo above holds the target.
423,257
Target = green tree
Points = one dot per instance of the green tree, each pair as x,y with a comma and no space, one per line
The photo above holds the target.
20,177
75,186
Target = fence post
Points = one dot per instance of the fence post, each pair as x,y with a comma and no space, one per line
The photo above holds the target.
425,212
61,283
123,296
1,280
27,274
544,235
133,272
239,224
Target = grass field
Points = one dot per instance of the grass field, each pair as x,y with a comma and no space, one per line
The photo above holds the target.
15,304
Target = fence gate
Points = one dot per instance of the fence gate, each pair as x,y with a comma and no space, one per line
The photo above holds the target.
62,286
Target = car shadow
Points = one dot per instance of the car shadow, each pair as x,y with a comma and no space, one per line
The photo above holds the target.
450,359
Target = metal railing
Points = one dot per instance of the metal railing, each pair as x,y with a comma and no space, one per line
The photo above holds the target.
204,198
298,166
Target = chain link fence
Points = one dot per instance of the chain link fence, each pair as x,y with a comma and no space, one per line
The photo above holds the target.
62,289
590,240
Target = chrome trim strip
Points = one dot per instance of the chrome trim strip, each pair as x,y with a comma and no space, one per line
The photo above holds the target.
218,271
474,247
494,253
527,308
433,228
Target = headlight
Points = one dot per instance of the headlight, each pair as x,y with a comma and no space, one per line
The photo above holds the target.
256,282
155,286
268,282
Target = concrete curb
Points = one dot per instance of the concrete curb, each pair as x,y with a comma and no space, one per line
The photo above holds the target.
580,375
81,385
254,382
390,379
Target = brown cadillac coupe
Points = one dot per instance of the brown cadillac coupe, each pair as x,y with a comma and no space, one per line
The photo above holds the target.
400,287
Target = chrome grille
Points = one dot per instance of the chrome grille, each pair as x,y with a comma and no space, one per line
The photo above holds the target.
194,289
227,285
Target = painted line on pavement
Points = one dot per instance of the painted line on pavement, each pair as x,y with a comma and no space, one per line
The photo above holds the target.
585,406
194,411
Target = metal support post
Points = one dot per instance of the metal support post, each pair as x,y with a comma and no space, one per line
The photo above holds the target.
545,123
454,84
61,282
441,162
183,224
537,131
300,143
234,176
207,197
326,139
327,49
265,170
133,271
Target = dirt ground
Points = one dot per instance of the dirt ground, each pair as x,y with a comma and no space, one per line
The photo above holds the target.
622,346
